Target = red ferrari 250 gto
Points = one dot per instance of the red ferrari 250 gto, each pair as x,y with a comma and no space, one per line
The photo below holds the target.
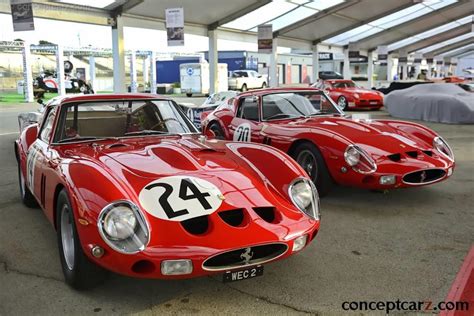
310,127
131,186
349,96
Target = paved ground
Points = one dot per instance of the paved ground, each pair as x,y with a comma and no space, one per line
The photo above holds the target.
406,244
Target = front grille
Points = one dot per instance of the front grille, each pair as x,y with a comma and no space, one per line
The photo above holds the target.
244,257
423,176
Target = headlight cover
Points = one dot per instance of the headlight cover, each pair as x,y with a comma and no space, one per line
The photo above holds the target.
123,227
359,160
356,95
442,146
305,197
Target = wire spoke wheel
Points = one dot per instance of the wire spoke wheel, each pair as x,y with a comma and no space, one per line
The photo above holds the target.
308,162
67,237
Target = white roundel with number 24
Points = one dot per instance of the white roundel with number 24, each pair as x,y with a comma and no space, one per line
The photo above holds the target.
178,198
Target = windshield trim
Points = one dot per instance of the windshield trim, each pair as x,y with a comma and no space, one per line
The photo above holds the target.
303,116
65,105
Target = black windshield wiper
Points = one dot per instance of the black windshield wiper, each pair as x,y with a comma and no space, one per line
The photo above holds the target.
74,139
145,132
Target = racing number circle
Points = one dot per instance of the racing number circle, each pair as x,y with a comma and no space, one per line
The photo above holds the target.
180,198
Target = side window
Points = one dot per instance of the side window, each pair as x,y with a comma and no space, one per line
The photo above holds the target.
248,109
47,127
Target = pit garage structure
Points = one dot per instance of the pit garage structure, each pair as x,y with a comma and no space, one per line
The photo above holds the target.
401,30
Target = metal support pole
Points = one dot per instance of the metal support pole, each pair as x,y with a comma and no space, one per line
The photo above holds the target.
133,72
27,73
346,71
146,69
92,72
153,72
118,52
60,70
370,69
274,65
213,61
315,74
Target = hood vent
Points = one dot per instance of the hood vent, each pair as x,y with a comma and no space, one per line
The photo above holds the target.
268,214
394,157
234,218
412,154
428,153
197,225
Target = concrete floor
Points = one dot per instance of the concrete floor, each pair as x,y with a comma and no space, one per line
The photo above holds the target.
406,244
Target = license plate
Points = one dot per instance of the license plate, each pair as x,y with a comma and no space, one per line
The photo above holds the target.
373,102
244,274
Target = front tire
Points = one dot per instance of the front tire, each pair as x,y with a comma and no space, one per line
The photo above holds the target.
308,156
342,103
79,272
189,95
25,194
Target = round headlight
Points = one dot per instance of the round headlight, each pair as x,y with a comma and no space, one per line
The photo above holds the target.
304,196
123,227
442,146
352,156
120,222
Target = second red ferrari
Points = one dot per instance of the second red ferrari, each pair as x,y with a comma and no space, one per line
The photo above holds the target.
348,95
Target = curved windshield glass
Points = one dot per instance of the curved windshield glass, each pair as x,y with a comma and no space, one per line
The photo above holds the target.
95,120
344,84
297,104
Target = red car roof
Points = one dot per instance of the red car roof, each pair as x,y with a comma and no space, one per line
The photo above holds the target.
273,90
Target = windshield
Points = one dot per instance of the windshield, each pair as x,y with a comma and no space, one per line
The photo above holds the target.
94,120
297,104
344,84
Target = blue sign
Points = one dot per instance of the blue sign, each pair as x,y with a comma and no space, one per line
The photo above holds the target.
190,71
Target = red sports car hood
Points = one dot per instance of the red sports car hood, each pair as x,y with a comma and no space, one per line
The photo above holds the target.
362,91
378,138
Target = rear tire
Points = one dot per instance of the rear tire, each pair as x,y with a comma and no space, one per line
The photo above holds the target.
79,272
308,156
25,194
244,87
189,95
216,128
264,85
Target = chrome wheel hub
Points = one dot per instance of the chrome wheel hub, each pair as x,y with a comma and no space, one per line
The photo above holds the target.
307,161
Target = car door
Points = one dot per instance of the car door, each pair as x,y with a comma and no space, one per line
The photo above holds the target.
40,156
246,125
254,80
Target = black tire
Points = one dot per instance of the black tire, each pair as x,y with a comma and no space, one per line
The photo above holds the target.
321,177
264,85
244,87
216,128
79,272
342,103
25,194
189,95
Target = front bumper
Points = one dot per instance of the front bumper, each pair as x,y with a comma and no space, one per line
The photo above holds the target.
365,104
407,174
147,263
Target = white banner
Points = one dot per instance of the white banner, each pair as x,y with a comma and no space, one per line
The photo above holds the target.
22,15
175,26
265,38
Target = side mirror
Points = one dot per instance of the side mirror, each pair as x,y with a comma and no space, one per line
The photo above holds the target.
259,76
